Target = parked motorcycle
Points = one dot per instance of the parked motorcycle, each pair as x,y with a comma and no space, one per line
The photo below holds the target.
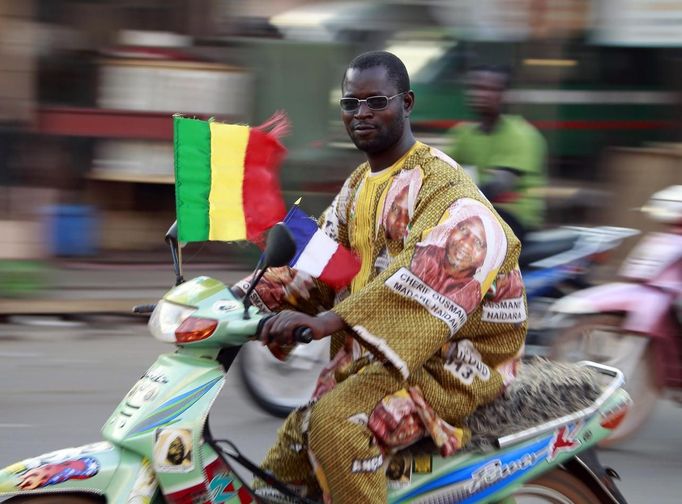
554,262
158,447
635,324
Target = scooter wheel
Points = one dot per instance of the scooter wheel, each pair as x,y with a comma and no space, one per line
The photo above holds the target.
557,487
281,386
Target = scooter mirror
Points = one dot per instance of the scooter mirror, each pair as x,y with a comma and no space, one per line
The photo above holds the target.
171,239
280,247
172,233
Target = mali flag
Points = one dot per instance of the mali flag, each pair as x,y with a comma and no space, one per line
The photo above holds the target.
226,185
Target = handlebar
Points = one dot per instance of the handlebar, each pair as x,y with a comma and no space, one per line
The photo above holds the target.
144,309
302,334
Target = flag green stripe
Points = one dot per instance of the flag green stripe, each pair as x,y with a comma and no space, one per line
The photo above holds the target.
192,178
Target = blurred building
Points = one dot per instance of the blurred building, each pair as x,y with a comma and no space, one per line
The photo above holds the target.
87,90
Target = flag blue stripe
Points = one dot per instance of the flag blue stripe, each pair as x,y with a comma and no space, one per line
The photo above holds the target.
302,227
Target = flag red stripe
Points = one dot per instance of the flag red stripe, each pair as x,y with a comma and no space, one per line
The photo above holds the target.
340,269
261,194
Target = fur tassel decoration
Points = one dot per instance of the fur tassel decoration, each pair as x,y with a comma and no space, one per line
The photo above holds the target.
543,390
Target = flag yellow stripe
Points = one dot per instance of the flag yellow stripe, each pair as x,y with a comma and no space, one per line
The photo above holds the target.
226,208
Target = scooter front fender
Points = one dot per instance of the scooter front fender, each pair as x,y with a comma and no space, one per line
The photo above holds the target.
98,468
644,307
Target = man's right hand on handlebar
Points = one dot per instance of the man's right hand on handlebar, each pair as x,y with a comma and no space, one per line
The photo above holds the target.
279,330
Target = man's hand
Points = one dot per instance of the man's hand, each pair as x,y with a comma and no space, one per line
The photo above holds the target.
279,329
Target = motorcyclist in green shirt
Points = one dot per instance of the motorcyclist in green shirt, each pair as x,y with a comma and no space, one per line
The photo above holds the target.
505,154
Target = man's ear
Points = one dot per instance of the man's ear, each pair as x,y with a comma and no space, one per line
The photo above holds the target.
408,103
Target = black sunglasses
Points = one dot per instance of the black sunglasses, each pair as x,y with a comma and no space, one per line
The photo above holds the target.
373,102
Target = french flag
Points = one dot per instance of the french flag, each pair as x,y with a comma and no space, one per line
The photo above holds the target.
319,255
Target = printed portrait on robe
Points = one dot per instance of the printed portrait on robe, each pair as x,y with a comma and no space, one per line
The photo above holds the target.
398,208
506,286
459,257
504,301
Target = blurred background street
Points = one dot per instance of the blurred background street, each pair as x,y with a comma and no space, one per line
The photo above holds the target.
88,89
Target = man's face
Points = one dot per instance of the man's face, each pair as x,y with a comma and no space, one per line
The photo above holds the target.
466,245
373,131
398,217
485,92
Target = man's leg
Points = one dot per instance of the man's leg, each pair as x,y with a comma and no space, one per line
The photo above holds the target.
288,458
340,442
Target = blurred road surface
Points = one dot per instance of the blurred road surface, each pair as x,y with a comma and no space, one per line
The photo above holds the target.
61,382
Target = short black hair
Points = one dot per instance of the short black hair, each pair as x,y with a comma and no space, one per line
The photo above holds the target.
395,68
503,70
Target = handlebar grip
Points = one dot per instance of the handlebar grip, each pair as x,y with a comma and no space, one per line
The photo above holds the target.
303,334
144,309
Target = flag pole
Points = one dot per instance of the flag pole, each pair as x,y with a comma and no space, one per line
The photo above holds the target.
291,210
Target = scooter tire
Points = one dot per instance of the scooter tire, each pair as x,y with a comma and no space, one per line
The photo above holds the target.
557,487
59,498
641,384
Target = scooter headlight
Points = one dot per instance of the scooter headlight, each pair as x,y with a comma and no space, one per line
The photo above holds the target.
166,318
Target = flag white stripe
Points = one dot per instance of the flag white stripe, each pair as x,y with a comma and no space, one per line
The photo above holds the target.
316,254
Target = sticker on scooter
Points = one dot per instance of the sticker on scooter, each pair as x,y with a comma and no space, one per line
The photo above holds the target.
399,470
173,408
565,439
472,483
227,306
222,488
142,392
155,377
422,463
173,451
498,470
612,417
58,456
53,474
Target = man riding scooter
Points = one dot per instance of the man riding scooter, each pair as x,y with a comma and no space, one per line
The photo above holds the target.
408,359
